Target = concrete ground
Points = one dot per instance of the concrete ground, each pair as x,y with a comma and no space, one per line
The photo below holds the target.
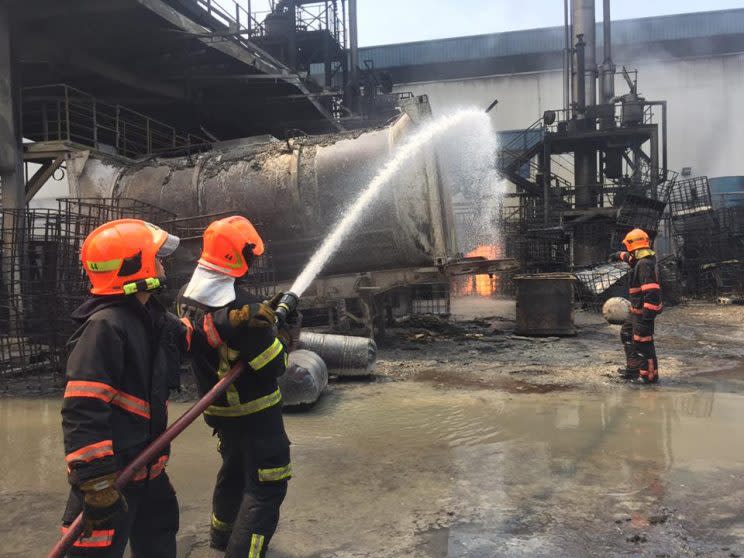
470,442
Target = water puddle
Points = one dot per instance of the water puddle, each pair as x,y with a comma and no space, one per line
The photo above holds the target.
448,472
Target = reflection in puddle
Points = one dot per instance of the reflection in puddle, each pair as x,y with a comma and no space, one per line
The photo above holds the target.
455,472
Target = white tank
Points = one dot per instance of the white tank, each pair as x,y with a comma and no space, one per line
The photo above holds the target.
616,310
297,190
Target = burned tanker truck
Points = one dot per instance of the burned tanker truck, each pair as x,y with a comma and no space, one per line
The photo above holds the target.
399,257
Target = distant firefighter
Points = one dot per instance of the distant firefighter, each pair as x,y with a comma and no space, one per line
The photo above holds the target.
637,335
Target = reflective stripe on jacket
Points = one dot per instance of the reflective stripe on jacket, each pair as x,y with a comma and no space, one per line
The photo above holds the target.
121,365
217,346
644,285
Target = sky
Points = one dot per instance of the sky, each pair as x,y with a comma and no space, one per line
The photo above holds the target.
396,21
400,21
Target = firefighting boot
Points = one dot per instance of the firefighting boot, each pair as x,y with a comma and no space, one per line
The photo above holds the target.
650,372
219,533
628,374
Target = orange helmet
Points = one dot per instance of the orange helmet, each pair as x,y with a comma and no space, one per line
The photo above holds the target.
636,239
230,244
119,256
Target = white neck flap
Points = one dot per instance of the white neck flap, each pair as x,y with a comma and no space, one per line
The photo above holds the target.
210,288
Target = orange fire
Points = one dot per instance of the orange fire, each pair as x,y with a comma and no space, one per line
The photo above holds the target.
485,251
480,285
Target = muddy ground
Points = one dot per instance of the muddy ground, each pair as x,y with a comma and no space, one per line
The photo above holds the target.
468,442
478,348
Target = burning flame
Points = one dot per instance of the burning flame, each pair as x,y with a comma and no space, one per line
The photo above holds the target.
485,251
480,285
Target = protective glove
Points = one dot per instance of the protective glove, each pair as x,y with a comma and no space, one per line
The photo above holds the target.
259,315
616,257
102,503
289,332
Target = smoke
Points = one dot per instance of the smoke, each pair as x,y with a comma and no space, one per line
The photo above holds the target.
703,90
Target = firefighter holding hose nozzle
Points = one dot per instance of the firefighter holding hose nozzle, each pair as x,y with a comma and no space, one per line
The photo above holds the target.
231,325
637,335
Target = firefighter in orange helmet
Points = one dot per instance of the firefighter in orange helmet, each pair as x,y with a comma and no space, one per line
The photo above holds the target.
637,335
119,370
231,325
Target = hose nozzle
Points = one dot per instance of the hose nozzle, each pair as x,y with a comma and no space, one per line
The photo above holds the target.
287,304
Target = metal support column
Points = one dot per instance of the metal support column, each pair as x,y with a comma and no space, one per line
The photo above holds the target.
353,56
547,171
292,46
327,48
12,194
345,57
12,179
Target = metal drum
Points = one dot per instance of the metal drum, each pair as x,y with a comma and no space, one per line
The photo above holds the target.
545,304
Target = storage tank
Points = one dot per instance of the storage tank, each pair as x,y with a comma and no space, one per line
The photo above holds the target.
278,26
727,191
298,189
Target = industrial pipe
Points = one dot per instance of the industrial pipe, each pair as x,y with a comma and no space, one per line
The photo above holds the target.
607,71
583,24
663,105
607,30
580,94
344,355
151,452
566,60
305,379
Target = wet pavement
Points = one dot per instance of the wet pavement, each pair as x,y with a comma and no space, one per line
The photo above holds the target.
417,469
470,442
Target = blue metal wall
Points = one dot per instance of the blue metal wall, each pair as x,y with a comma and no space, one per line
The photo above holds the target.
535,41
727,191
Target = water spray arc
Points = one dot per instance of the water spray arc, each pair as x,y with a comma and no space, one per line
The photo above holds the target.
355,213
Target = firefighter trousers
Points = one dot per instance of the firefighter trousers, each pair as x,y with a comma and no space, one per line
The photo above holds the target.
251,486
150,524
637,337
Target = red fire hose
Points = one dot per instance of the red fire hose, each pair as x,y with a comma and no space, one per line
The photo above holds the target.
150,453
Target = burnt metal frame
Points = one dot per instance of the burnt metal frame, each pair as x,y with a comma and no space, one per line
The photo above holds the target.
40,270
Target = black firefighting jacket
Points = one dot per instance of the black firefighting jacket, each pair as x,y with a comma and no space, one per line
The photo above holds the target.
254,400
123,360
644,286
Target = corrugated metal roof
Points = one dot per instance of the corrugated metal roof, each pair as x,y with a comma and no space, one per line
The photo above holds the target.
550,39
